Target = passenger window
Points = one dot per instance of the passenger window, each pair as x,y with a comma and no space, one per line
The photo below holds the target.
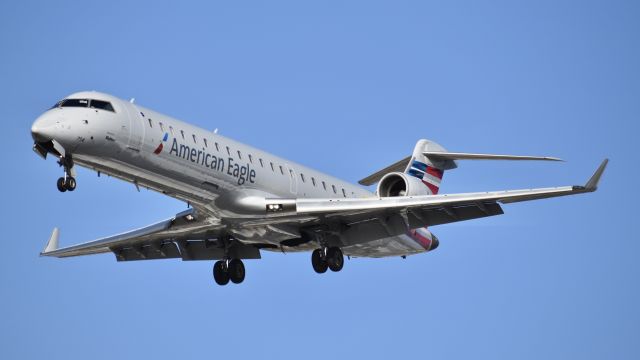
272,169
102,105
239,155
182,133
75,103
324,185
228,151
334,189
217,147
344,193
205,142
161,127
302,177
313,181
281,170
150,124
250,158
171,130
261,164
194,138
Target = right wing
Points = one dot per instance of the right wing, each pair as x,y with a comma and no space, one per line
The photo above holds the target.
182,236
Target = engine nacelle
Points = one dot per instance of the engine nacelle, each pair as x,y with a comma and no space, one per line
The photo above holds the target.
401,184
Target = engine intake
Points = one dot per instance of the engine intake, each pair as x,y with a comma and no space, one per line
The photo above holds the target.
401,184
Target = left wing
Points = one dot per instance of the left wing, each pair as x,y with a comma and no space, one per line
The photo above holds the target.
415,204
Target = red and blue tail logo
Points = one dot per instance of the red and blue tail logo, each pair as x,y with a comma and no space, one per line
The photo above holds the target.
158,150
429,175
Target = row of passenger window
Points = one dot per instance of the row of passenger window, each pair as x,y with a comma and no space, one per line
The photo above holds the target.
271,165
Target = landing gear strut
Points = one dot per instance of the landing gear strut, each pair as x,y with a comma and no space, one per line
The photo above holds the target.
67,182
331,258
225,270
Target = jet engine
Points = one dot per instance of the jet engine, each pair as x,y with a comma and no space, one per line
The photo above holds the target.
401,184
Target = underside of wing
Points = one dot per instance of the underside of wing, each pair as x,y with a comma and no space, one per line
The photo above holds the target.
183,236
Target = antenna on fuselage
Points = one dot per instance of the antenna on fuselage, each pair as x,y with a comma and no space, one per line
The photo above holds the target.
132,100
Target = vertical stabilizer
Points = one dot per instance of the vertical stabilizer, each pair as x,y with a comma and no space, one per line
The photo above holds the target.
429,170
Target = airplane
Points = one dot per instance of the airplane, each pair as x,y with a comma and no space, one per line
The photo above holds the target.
242,200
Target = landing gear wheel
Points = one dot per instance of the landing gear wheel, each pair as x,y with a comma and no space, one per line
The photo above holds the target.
335,259
220,274
236,271
61,185
319,264
70,183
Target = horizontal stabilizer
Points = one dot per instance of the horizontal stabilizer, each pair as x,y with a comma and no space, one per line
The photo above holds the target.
399,165
435,155
446,161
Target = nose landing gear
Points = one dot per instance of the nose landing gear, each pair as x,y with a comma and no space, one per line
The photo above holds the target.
67,182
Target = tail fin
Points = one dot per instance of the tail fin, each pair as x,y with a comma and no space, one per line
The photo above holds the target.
427,168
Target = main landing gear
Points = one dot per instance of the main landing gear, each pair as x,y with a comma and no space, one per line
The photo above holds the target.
327,258
67,182
225,270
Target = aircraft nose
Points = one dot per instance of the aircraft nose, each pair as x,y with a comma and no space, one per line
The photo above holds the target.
42,129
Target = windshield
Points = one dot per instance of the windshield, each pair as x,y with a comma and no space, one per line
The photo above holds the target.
94,104
99,104
75,103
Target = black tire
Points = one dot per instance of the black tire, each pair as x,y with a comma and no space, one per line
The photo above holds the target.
220,274
61,185
335,259
319,264
70,184
236,271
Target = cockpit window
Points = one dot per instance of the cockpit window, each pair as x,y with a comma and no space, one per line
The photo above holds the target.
103,105
75,103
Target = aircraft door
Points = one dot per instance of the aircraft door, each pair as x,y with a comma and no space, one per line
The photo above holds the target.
136,128
293,180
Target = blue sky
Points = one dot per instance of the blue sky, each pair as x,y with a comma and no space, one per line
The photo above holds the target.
346,87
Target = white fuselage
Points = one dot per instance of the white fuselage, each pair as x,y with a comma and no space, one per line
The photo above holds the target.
199,166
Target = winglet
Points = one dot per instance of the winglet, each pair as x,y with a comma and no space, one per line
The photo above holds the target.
592,184
52,244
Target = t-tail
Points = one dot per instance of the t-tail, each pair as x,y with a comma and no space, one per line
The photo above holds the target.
428,163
